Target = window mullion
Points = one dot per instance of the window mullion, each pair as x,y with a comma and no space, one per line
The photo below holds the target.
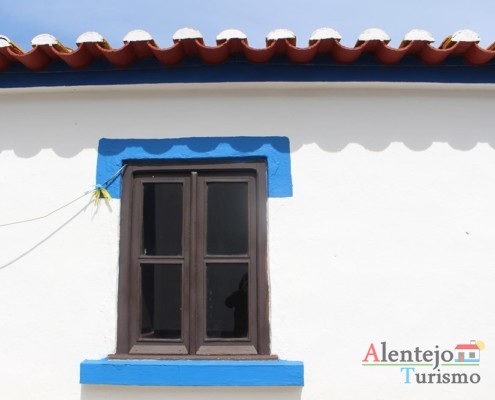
192,289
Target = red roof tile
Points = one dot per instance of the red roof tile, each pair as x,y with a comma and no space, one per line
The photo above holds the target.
467,347
189,42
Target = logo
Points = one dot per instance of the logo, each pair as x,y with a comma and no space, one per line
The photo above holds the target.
442,366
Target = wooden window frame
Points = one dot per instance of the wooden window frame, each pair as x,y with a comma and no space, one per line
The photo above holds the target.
194,343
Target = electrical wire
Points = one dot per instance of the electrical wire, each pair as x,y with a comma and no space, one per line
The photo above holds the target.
46,215
97,187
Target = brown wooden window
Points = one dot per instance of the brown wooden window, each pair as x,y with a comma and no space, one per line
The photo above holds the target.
193,277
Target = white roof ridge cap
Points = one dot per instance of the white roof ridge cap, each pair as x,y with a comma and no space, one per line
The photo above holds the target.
137,35
374,34
44,39
325,33
419,35
281,33
466,35
90,37
187,33
228,34
4,41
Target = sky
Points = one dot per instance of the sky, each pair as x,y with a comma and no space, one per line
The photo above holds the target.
21,20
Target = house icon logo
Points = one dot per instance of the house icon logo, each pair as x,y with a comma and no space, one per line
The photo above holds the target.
468,353
445,366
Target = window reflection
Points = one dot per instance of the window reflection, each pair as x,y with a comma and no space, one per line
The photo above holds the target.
227,301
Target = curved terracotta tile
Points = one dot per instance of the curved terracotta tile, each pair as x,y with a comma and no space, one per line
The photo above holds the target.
431,55
346,55
9,54
36,59
460,48
168,56
122,57
5,62
79,58
477,55
42,54
94,49
259,55
301,55
214,54
324,46
191,46
141,49
390,55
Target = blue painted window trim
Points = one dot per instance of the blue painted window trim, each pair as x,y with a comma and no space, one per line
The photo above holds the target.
192,373
112,154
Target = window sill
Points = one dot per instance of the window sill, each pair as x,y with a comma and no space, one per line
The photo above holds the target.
192,373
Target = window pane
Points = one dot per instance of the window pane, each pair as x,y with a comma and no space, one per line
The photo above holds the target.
161,301
227,218
227,300
162,219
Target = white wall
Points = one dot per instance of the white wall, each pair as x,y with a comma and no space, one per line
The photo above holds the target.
389,235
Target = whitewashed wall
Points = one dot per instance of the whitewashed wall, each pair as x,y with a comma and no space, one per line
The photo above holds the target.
390,234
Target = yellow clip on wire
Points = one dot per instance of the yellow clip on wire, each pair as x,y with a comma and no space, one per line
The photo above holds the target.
100,192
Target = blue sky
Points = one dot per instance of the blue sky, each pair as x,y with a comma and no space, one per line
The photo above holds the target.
21,20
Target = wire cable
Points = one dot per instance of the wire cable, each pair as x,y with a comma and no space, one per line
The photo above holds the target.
97,187
46,215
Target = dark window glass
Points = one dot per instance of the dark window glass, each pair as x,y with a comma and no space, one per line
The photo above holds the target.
227,218
162,219
227,300
161,301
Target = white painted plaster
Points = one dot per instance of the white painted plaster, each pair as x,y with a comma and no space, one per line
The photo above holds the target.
92,392
392,219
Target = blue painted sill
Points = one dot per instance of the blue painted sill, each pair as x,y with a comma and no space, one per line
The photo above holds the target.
192,373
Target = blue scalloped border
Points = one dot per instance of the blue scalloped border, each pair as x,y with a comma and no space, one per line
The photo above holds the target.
112,154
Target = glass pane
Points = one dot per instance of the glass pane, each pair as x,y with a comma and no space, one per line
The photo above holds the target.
227,300
162,219
227,218
161,301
